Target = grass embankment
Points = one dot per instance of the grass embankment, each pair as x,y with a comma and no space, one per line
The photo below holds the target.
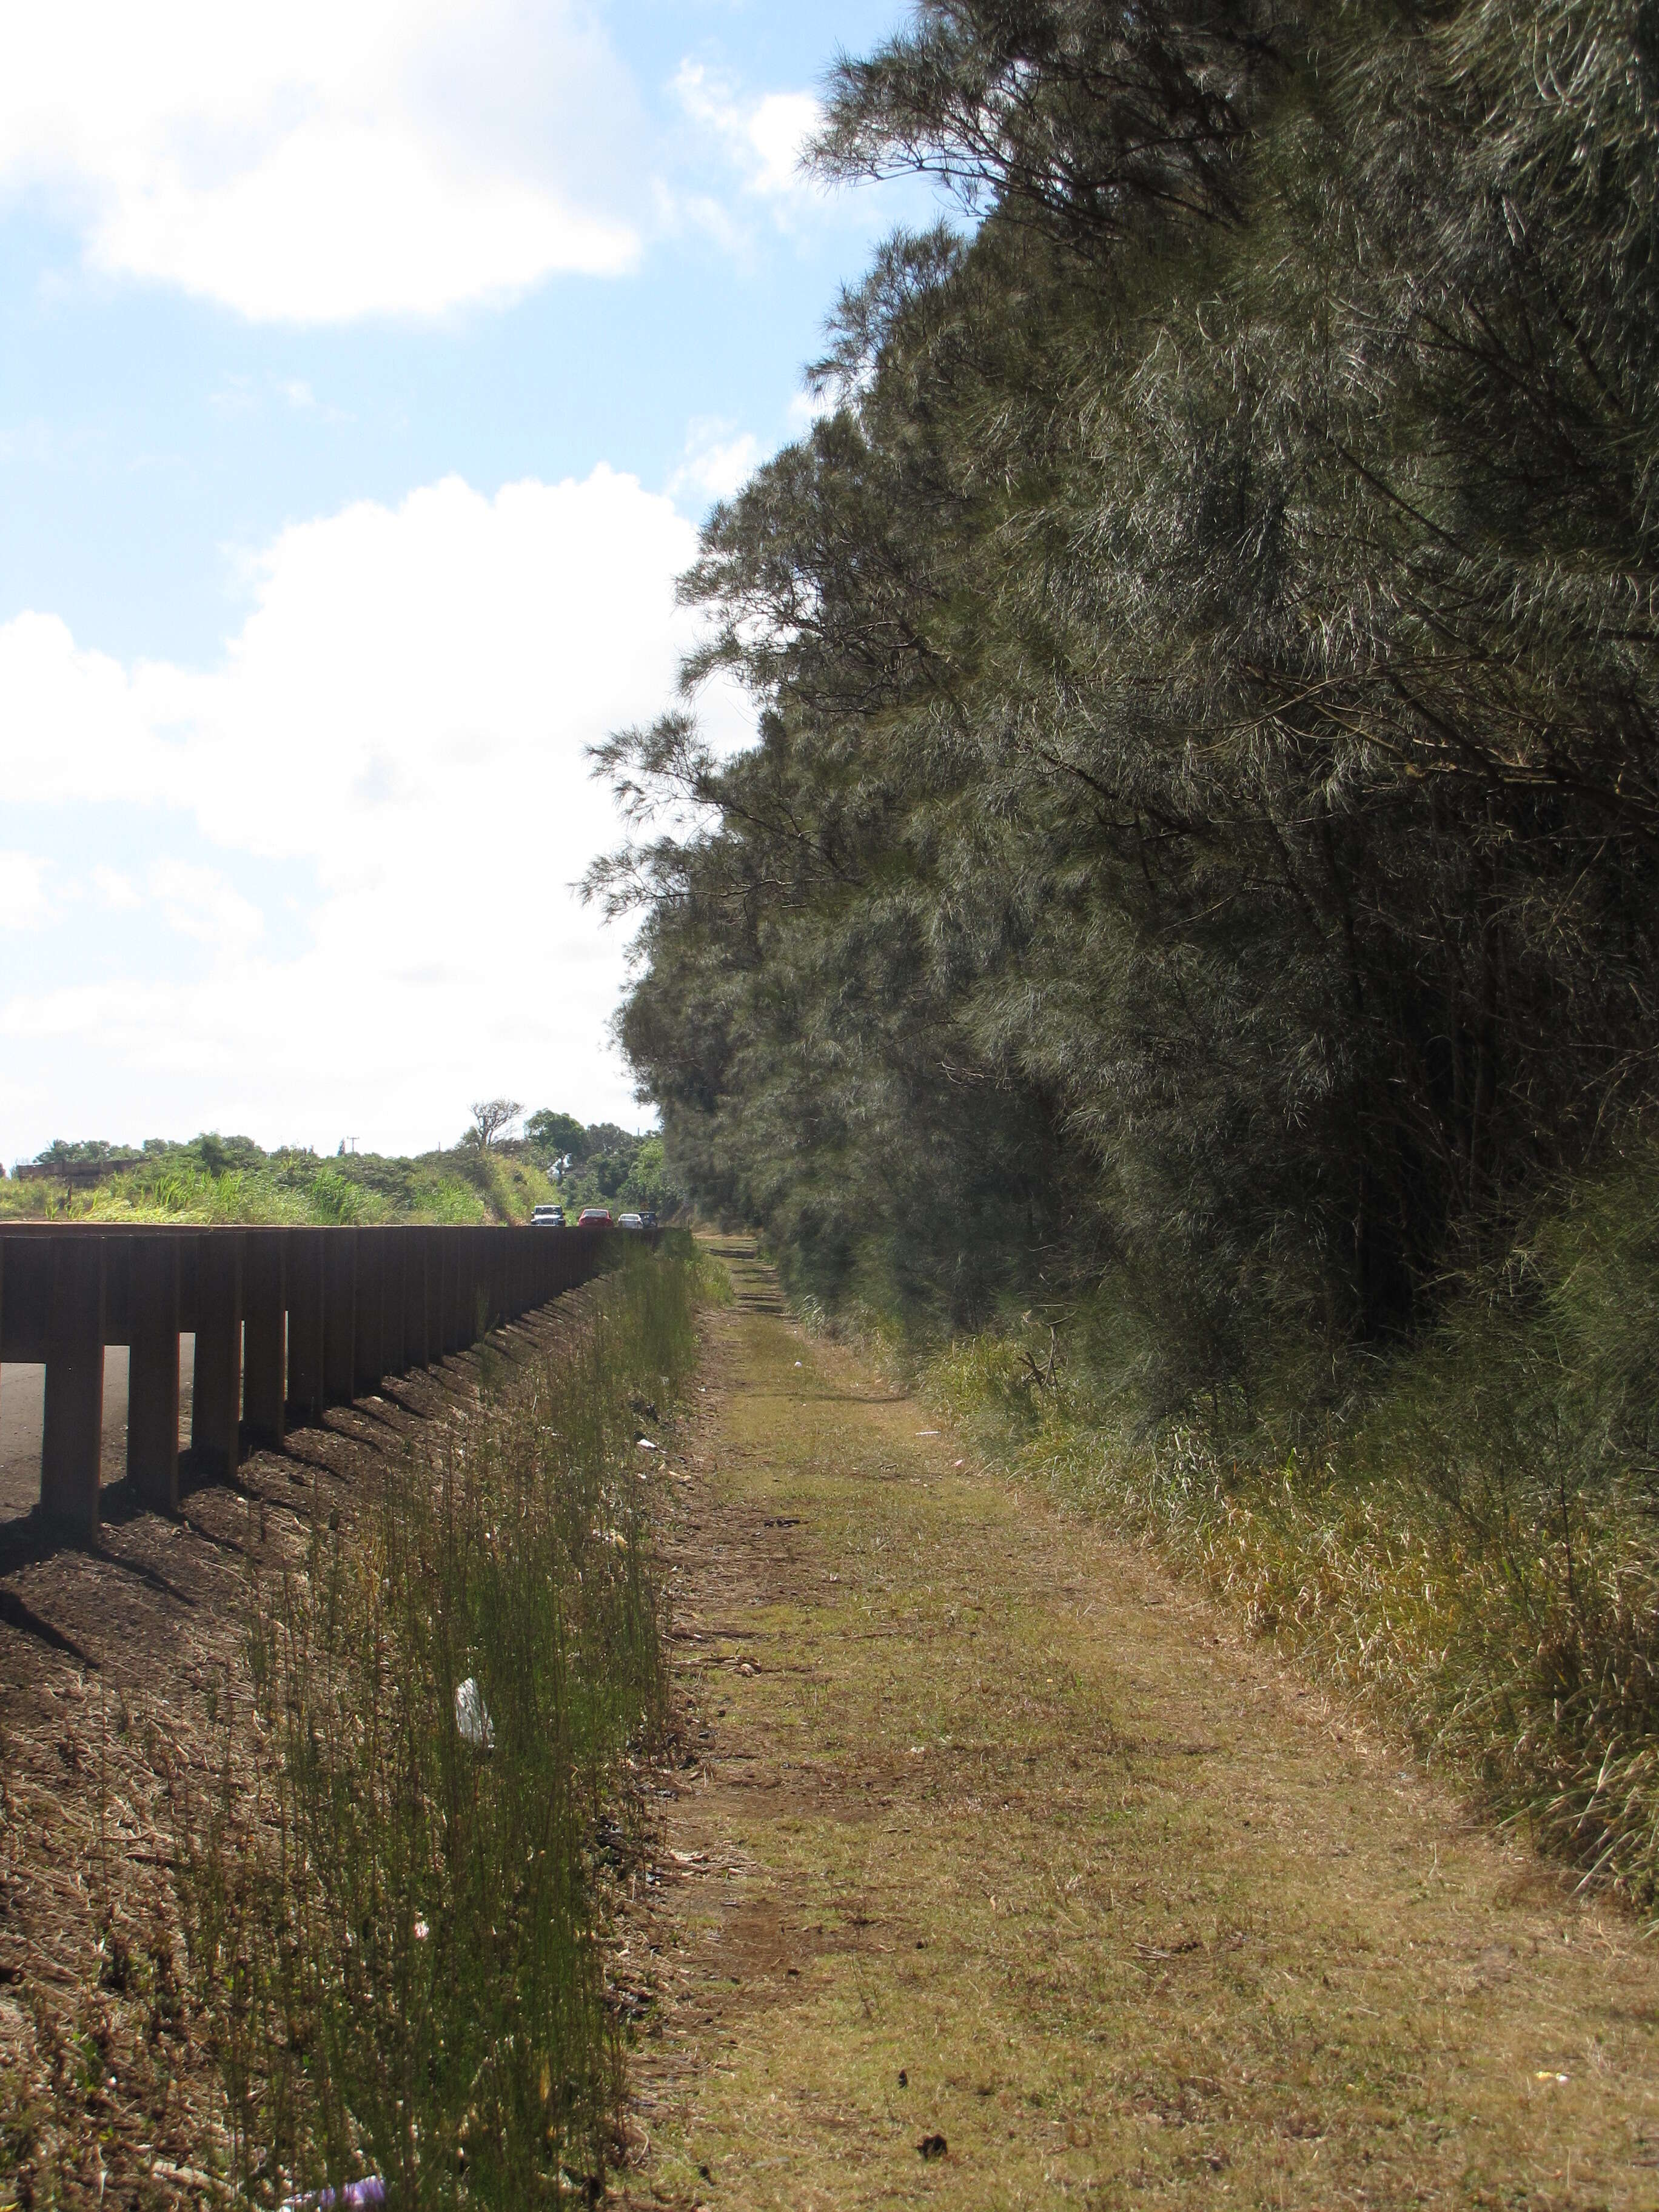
1468,1535
232,1179
391,1927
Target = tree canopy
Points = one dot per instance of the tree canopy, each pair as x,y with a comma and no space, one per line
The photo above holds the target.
1200,841
491,1119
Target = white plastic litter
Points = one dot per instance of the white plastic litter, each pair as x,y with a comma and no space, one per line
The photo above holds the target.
473,1716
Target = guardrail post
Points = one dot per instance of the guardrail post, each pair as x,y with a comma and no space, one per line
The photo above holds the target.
264,1317
153,1372
417,1344
217,1409
501,1259
367,1364
394,1360
339,1315
73,1430
304,1267
441,1293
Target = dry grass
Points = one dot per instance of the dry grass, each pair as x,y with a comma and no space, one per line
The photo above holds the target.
1486,1598
1007,1838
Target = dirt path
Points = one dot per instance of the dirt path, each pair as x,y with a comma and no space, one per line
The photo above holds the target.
1003,1873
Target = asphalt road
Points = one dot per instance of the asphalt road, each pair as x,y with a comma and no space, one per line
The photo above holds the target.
22,1396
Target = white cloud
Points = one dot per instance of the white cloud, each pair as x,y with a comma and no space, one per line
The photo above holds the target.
763,137
199,902
718,461
398,727
23,900
75,722
778,128
117,890
326,159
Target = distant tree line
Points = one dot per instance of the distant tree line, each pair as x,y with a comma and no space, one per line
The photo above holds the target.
499,1177
1199,851
600,1163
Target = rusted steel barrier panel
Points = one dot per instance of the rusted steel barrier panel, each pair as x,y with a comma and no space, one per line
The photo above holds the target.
304,1268
445,1267
466,1289
73,1429
216,1406
264,1334
340,1315
152,1272
27,1288
501,1277
283,1318
417,1348
393,1358
368,1366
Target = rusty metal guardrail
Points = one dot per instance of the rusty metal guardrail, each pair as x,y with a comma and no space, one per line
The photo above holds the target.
286,1321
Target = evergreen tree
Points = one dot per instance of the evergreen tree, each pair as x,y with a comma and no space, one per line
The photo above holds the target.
1201,836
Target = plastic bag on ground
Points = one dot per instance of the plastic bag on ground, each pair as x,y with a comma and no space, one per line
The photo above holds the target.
473,1716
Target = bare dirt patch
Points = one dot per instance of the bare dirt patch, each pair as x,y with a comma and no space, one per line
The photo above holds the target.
998,1870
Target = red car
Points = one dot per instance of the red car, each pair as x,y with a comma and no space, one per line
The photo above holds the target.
594,1217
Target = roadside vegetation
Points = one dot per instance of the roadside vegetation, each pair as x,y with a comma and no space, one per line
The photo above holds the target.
1470,1544
1179,956
392,1892
215,1178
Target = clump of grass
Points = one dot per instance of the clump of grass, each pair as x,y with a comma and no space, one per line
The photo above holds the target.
1471,1541
390,1929
710,1276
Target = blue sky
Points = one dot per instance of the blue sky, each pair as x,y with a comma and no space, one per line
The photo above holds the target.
365,369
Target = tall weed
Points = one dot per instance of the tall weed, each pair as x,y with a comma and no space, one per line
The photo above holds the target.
1470,1535
393,1928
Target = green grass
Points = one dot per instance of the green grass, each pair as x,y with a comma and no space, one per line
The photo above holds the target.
231,1180
391,1934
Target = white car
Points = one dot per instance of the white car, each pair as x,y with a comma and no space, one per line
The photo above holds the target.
629,1221
547,1217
